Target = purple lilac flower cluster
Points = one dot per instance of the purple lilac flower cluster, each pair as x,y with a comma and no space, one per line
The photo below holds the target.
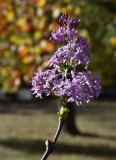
72,54
63,80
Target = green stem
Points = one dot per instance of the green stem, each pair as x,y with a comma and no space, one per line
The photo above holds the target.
66,72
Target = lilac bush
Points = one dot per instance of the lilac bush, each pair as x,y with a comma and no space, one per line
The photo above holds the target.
63,78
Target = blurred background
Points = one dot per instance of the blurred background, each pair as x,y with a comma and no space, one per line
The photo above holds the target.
25,28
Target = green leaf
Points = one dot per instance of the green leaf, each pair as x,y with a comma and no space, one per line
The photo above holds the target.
63,113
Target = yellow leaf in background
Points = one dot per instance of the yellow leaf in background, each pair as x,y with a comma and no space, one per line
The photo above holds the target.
38,35
28,59
13,38
17,40
69,7
25,60
63,10
32,50
10,16
4,72
113,40
28,40
41,3
37,50
21,21
77,10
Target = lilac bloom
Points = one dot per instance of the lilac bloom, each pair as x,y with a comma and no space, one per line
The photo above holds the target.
64,80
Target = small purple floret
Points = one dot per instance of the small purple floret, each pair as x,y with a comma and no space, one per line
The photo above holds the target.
58,36
63,19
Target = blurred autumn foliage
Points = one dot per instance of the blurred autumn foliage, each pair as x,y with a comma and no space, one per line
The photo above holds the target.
25,28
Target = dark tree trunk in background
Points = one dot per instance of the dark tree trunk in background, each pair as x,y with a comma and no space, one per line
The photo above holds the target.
70,125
